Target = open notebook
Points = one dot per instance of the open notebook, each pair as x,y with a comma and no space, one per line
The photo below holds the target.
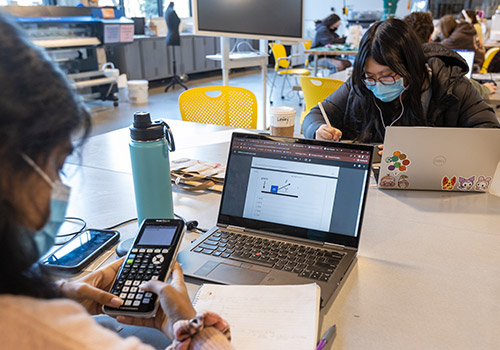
265,317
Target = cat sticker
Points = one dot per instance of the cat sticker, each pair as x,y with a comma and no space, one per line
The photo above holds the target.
448,183
465,184
483,183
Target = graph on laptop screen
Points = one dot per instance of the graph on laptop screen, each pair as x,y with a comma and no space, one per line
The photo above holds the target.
301,185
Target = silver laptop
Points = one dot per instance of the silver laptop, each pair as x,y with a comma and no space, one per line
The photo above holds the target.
468,56
447,159
290,213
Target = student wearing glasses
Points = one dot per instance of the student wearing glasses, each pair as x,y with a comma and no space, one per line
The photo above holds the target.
397,81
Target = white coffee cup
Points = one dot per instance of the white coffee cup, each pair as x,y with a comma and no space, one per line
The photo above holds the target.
282,121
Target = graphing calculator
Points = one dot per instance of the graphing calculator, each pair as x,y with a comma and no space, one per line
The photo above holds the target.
151,257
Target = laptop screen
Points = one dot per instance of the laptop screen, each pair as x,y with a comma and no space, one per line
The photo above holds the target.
304,188
468,56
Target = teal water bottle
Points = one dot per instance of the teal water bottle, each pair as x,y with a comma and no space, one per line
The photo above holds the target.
149,148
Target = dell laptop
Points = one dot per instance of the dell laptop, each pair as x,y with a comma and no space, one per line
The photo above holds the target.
291,213
446,159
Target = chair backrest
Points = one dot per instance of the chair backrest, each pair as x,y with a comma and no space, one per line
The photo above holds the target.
488,57
307,45
317,89
279,52
220,105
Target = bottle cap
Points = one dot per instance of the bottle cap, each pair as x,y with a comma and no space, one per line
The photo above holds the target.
143,129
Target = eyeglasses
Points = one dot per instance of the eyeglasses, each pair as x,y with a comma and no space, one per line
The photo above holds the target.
387,80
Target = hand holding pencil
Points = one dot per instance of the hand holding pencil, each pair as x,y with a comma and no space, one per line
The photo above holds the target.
327,131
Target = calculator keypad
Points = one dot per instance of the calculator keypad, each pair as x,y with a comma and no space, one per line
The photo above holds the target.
141,265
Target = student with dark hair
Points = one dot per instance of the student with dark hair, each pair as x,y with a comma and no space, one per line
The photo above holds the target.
421,23
39,117
460,35
470,16
397,81
326,34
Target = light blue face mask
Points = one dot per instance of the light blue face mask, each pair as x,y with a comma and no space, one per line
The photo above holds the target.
387,93
45,238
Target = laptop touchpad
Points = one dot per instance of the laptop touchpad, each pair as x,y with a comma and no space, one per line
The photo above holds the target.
236,275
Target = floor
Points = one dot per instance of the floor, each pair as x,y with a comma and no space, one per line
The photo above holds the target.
163,105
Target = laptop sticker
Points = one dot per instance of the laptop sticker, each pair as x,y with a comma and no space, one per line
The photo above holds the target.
388,181
398,162
465,184
403,182
483,183
449,183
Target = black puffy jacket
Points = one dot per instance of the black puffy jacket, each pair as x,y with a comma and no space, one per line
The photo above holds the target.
454,103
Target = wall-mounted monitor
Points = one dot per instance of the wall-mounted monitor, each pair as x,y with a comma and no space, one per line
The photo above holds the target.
255,19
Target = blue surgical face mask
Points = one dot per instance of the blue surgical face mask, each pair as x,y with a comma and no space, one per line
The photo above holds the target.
45,238
387,93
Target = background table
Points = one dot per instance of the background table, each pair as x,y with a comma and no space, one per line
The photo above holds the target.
327,52
428,270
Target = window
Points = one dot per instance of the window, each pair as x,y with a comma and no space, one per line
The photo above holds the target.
181,7
141,8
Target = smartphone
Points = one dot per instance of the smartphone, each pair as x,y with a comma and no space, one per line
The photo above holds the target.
151,257
80,251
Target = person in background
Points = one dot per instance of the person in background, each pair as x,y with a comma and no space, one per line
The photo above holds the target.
470,17
390,87
422,23
39,118
462,36
326,34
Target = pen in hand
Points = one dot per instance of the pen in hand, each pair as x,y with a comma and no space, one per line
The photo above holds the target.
323,113
327,338
338,133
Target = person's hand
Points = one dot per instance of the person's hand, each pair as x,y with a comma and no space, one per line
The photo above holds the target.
174,301
328,133
381,149
91,290
491,86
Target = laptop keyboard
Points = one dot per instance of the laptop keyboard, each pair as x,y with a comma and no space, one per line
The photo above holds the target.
314,263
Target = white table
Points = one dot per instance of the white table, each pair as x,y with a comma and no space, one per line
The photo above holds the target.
428,273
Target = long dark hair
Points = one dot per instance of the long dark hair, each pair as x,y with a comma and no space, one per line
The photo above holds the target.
394,44
38,112
328,21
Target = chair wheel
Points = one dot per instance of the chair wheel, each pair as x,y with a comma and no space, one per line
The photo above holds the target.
300,104
270,102
115,103
282,97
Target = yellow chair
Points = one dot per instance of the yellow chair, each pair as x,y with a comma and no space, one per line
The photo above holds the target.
307,45
316,90
283,67
220,105
488,57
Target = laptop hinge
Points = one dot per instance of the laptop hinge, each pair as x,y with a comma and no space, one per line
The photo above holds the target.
327,244
235,228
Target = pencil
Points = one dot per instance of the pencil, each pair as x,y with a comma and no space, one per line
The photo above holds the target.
327,121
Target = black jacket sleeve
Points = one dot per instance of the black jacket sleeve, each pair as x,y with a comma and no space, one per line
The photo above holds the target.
473,111
334,106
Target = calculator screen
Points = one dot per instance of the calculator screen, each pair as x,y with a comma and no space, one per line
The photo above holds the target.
156,235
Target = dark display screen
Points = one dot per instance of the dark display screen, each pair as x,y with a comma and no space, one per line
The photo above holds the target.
157,235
